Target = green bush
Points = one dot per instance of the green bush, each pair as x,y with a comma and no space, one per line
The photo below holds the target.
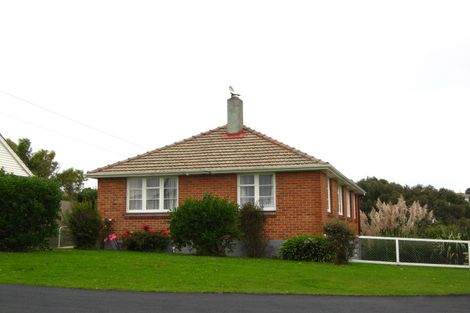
146,240
252,230
84,224
460,229
307,248
29,209
209,225
88,195
341,239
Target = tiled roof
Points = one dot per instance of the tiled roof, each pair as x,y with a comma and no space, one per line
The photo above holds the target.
213,150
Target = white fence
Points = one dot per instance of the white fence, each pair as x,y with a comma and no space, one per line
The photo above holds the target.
412,251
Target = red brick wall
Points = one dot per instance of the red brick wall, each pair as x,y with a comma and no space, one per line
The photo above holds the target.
298,205
352,222
300,202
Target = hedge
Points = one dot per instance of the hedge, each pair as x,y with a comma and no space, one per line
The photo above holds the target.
29,209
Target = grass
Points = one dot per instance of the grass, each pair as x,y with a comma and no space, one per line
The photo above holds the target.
122,270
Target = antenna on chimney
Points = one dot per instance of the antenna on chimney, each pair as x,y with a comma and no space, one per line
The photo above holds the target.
232,92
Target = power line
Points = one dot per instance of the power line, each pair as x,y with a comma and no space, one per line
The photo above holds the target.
56,132
71,119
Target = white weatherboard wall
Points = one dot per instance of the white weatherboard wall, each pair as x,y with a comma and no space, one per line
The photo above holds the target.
10,162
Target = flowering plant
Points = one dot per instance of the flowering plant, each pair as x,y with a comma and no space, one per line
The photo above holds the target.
111,237
148,239
112,240
106,231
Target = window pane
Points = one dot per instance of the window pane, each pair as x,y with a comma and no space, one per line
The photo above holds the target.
265,191
135,194
135,205
244,200
265,179
170,204
266,202
247,180
153,182
135,183
169,194
170,182
153,194
247,191
153,204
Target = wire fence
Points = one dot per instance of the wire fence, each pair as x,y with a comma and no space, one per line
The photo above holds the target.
412,251
63,238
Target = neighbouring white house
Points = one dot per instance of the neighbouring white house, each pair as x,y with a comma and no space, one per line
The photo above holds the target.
10,162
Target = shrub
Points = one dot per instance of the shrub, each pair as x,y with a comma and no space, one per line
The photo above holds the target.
88,195
252,230
146,240
29,209
395,219
106,232
440,231
307,248
341,239
209,225
84,224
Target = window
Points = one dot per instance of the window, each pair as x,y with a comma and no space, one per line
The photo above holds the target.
328,195
152,194
353,199
340,200
348,203
257,189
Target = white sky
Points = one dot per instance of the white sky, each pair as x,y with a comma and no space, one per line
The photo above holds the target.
377,88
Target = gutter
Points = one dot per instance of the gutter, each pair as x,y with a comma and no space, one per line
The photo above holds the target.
330,170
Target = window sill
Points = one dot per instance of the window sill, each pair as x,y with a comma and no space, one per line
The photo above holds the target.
147,215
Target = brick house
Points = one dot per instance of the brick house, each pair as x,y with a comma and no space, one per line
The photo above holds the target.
298,192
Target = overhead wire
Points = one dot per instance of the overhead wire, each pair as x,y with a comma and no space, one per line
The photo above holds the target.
56,132
70,119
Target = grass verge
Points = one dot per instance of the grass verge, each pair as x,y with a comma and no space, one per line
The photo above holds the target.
123,270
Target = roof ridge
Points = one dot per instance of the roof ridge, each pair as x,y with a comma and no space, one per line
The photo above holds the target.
156,150
283,145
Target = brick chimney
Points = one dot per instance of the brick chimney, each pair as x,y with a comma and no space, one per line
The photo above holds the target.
234,114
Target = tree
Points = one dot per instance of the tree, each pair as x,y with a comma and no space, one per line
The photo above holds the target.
71,180
447,206
88,195
41,163
378,189
467,192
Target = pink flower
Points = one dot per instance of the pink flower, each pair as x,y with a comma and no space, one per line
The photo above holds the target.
145,226
164,232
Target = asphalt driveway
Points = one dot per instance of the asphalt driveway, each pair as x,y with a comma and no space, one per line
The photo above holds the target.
14,298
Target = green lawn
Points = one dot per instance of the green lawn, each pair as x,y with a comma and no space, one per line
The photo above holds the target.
122,270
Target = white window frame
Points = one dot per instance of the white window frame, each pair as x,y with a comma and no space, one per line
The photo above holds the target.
353,195
340,200
256,184
144,194
328,194
348,203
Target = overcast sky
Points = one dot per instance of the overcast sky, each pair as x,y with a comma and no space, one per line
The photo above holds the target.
377,88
